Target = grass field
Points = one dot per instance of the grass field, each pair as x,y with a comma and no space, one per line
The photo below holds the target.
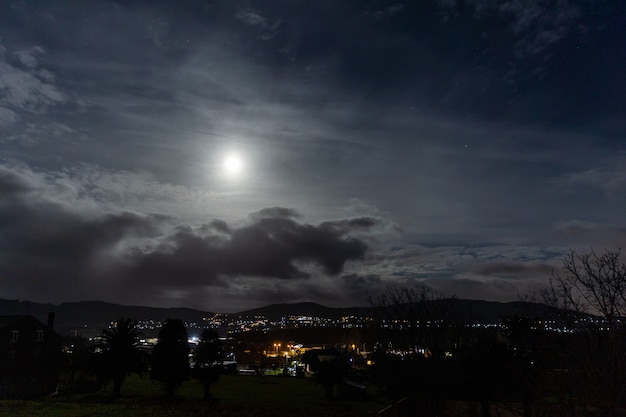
245,396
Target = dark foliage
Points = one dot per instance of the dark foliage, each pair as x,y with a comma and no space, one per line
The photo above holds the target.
122,353
82,370
208,360
330,367
594,283
170,357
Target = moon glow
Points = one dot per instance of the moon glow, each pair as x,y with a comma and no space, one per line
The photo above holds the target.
233,165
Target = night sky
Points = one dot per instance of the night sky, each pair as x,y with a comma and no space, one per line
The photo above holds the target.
224,155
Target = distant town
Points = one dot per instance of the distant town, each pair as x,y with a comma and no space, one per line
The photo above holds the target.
229,324
460,346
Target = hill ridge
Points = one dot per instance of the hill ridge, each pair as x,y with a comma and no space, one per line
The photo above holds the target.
96,314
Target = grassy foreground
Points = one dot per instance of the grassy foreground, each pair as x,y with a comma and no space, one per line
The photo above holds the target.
245,396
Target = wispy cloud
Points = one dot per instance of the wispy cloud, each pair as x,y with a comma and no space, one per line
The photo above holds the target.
608,175
389,11
25,86
584,235
536,27
256,18
447,147
28,93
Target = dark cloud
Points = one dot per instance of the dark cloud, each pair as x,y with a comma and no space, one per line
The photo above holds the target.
46,251
482,128
268,247
272,212
491,290
217,226
589,235
11,183
66,251
512,269
351,224
356,281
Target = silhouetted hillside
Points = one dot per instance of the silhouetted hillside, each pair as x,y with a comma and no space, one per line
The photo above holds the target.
470,311
95,315
276,311
480,311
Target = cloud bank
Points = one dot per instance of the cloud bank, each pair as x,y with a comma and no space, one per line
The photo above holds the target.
72,250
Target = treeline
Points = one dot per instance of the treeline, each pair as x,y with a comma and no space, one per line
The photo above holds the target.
426,354
423,351
91,367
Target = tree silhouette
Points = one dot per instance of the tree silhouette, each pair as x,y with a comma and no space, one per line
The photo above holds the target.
413,329
122,353
489,369
208,360
595,283
170,357
526,368
330,366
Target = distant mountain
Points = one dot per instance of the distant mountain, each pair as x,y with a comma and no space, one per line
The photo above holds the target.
92,316
95,315
466,310
480,311
276,311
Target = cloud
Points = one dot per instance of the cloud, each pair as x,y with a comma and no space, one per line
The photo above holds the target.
523,17
355,281
107,190
255,18
251,17
490,290
533,28
584,235
28,57
7,117
58,251
48,249
608,175
272,247
493,272
11,183
359,129
271,212
512,269
539,25
389,12
27,88
28,92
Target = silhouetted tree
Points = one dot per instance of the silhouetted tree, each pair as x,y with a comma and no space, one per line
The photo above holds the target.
411,319
170,357
413,331
330,367
122,353
78,358
485,367
208,360
526,368
596,284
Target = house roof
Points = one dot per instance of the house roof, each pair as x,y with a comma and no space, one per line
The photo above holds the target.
7,321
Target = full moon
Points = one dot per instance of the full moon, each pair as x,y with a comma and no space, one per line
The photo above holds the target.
233,165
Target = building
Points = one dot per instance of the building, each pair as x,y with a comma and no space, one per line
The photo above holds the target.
30,354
